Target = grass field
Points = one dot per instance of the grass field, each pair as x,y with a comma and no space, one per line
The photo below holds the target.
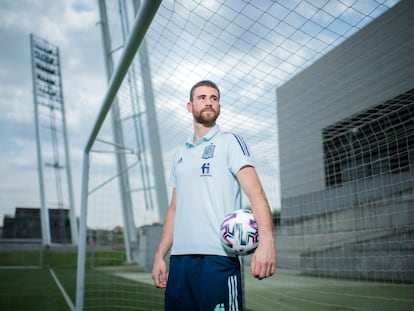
35,289
295,292
113,286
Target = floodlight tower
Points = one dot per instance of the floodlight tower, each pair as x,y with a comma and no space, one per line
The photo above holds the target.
50,117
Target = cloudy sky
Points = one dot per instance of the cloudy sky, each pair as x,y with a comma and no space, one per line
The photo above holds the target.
224,40
71,25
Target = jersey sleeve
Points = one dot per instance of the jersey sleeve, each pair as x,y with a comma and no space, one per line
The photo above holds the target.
238,153
173,176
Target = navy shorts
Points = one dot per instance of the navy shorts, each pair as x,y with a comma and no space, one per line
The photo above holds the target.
204,283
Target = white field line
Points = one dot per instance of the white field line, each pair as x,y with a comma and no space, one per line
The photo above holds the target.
62,290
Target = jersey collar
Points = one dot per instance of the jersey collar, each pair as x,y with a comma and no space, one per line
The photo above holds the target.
207,137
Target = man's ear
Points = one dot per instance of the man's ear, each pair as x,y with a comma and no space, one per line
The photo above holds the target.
190,107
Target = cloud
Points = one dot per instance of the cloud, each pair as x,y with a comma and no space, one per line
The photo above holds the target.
186,43
71,25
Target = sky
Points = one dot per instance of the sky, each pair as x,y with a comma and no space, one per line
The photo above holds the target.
71,25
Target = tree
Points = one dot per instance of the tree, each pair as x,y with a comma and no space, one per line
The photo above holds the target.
276,217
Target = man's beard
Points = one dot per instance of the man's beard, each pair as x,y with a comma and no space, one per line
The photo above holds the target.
202,118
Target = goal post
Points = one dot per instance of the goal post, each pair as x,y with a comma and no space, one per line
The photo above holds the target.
139,28
326,109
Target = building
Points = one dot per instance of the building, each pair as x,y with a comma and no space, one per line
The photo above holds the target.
25,224
346,140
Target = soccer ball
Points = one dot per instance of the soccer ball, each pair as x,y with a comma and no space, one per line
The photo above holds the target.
239,234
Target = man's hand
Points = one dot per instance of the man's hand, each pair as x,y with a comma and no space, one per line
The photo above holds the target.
159,273
263,262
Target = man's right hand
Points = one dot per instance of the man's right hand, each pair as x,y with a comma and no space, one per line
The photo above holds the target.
159,273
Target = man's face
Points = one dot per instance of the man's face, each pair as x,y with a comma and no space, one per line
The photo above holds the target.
205,106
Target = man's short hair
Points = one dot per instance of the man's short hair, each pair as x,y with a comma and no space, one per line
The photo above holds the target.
204,83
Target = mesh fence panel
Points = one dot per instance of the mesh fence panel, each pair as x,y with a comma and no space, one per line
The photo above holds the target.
332,145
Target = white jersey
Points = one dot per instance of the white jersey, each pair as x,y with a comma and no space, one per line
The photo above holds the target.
207,189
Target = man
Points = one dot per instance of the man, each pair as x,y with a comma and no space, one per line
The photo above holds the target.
206,176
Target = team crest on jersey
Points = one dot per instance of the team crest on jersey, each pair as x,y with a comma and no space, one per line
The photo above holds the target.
208,152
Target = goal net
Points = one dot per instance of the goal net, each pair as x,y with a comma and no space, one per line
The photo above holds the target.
322,91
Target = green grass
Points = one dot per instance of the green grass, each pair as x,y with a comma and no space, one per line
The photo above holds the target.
29,290
296,292
110,292
20,258
35,289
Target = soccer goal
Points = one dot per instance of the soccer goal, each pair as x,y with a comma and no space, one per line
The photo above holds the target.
323,94
21,253
108,247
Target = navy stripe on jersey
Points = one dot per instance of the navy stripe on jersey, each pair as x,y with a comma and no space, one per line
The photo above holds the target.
242,144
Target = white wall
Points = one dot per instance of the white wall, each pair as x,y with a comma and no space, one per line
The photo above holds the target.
374,65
